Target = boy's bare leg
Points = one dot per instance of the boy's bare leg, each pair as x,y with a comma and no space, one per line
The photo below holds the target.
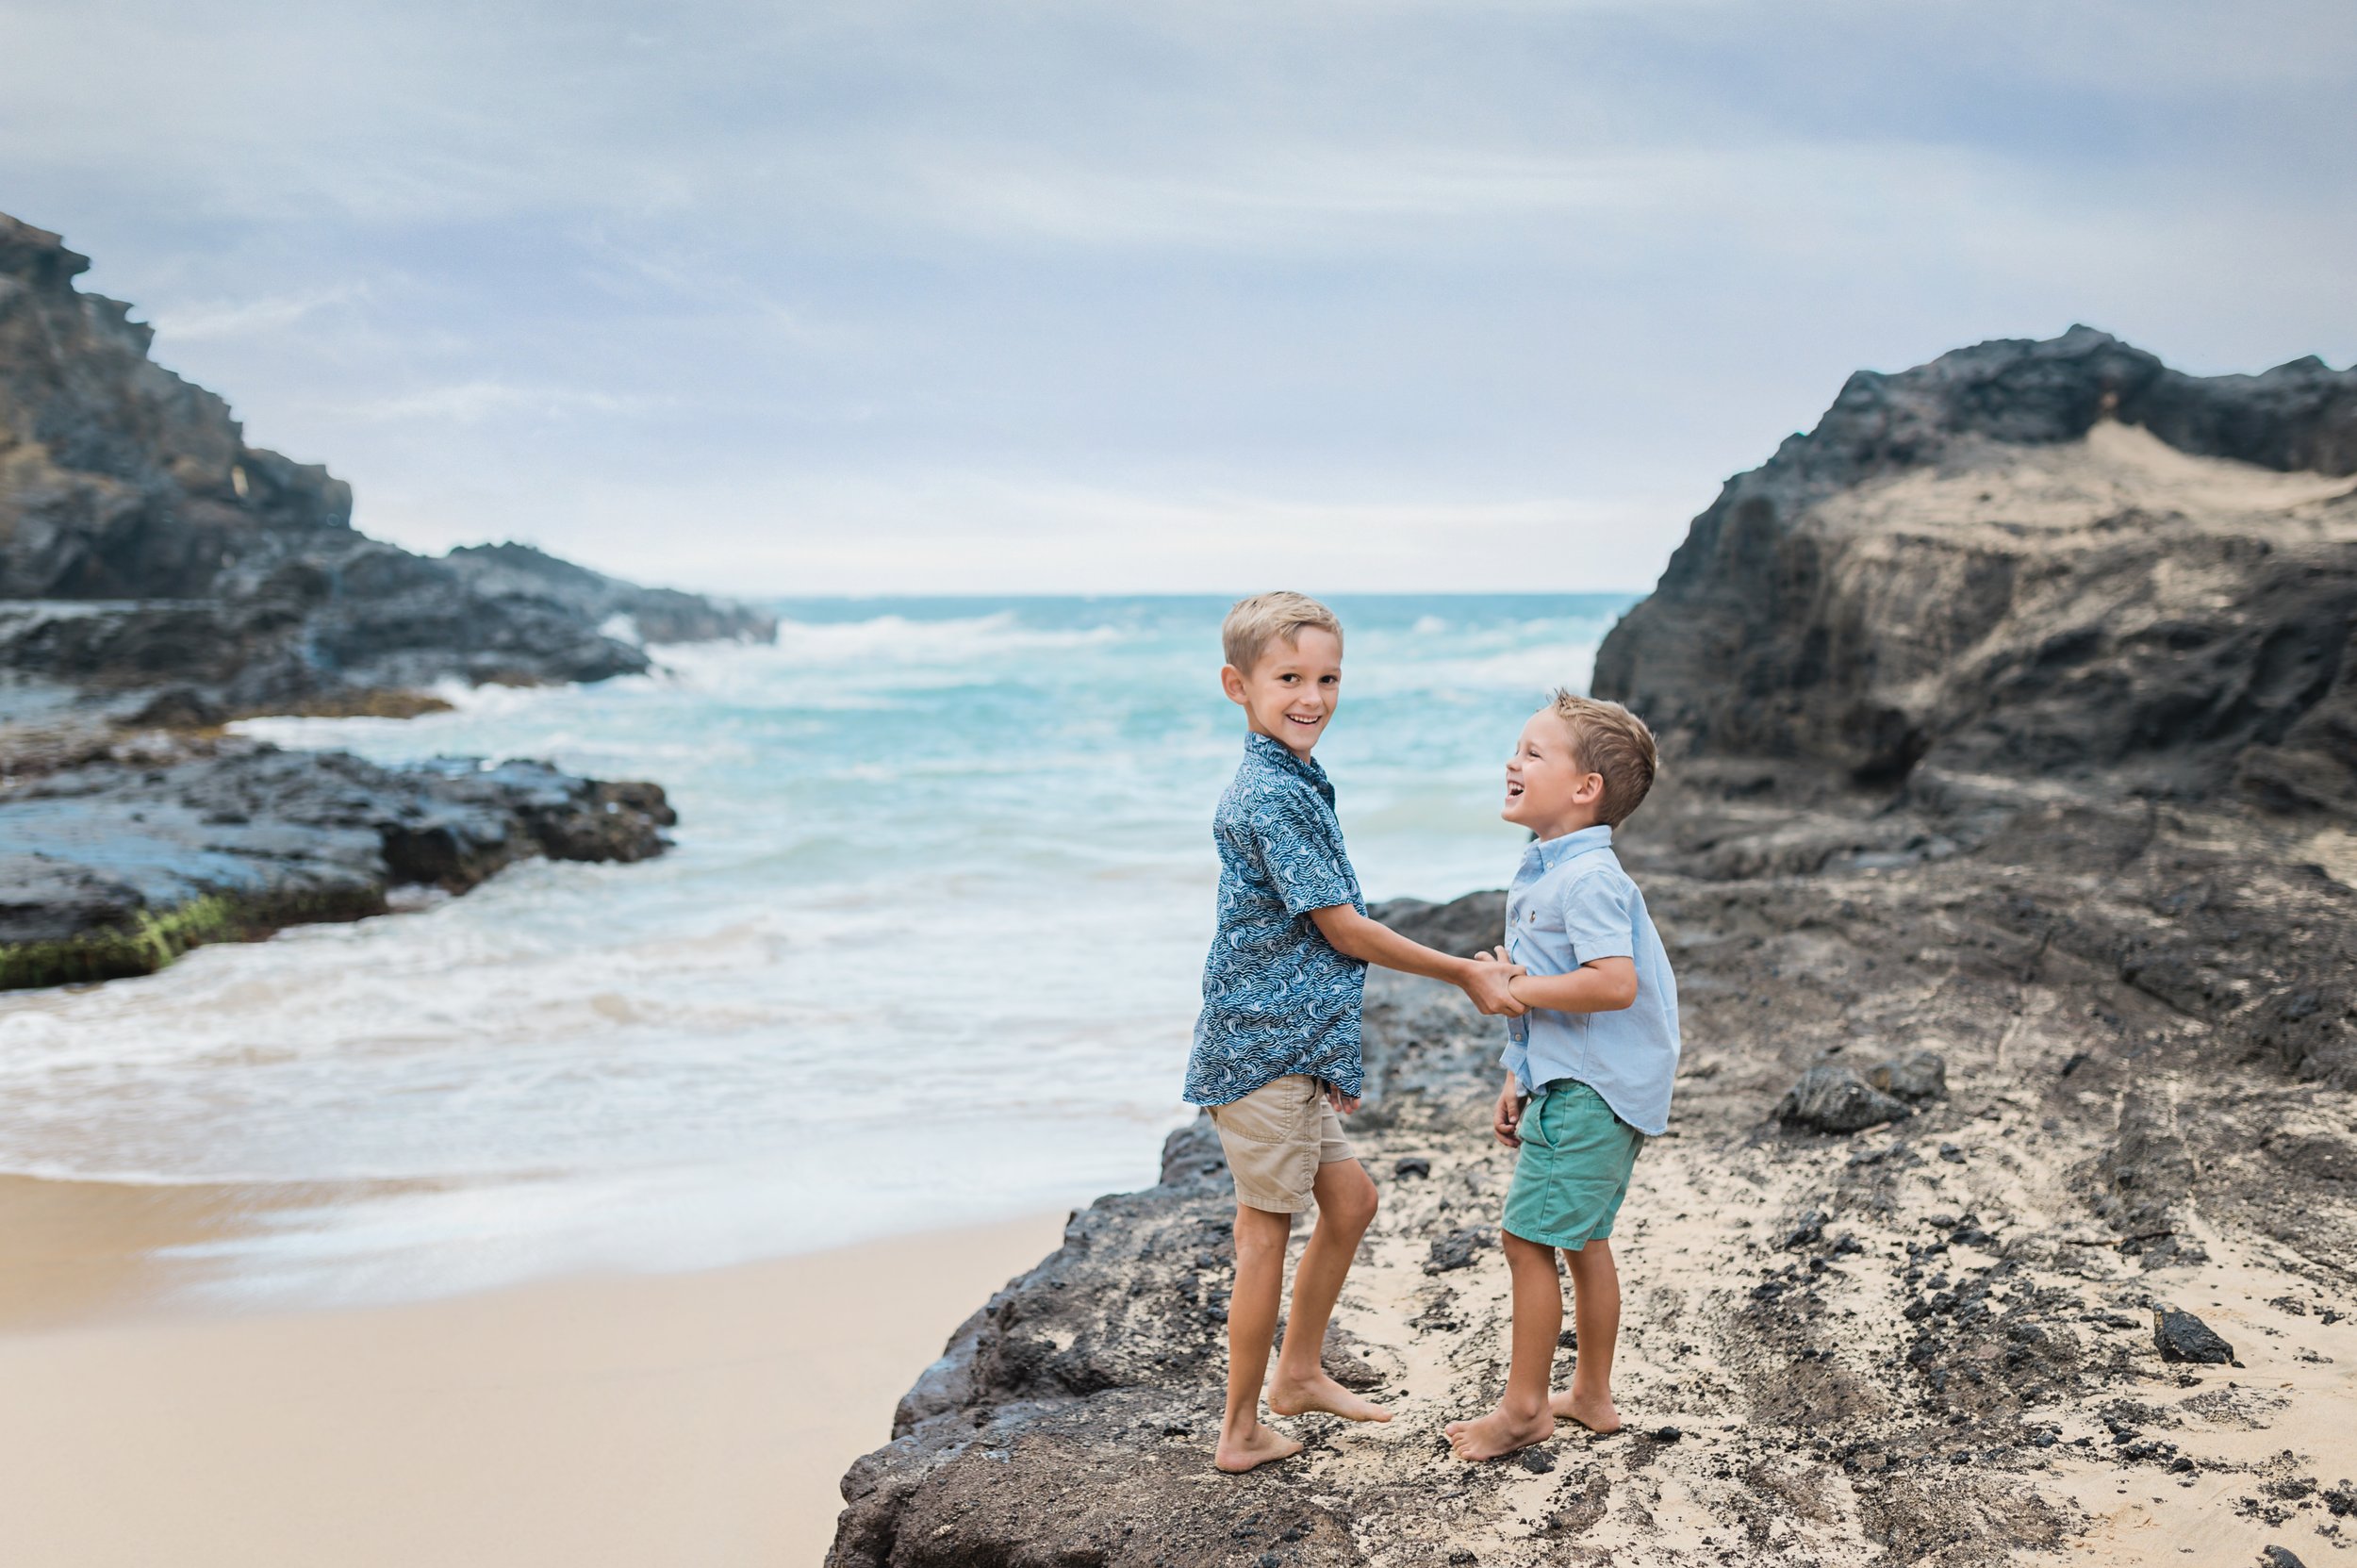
1596,1312
1346,1202
1523,1416
1260,1237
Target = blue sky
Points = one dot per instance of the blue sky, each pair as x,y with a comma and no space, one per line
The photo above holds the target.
1390,294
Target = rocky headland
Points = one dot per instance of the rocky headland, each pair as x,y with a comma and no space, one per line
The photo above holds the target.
2007,851
161,578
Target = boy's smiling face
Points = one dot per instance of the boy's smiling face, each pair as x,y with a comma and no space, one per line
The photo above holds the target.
1294,688
1548,788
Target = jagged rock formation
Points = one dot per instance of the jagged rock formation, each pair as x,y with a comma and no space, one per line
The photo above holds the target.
2008,727
157,572
120,863
2030,557
146,543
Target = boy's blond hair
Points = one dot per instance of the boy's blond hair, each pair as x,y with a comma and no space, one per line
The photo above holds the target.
1253,623
1614,742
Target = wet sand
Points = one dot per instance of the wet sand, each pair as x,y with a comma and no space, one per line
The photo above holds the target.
702,1418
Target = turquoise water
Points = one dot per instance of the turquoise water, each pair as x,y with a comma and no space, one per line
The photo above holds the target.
927,949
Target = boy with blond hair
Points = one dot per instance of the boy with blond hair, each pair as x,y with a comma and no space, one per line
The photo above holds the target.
1588,1063
1275,1059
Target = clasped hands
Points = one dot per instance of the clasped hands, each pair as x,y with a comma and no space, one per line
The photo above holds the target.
1488,983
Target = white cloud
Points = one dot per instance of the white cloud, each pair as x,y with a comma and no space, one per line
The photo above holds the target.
1106,292
197,319
481,401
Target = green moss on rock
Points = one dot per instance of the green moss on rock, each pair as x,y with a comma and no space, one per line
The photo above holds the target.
153,940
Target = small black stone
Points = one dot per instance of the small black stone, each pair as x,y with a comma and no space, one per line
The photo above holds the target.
1537,1460
1456,1250
1667,1434
2279,1556
2182,1337
1270,1560
1413,1165
1951,1153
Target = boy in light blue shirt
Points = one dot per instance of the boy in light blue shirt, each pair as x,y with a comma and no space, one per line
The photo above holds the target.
1588,1067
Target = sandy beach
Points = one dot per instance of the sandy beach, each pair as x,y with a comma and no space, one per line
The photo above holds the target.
702,1418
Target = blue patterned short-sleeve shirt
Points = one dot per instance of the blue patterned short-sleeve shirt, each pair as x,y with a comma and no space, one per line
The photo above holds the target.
1278,998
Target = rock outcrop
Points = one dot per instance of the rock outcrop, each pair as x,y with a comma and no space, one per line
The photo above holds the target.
2053,558
157,572
142,542
118,863
2008,764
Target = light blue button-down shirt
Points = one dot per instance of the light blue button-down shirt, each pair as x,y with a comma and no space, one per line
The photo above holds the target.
1571,903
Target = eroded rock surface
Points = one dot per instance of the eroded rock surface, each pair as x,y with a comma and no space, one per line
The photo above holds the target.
116,864
157,573
2004,725
142,543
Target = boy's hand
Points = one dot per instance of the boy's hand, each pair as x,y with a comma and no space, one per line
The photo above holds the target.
1507,1119
1343,1104
1487,985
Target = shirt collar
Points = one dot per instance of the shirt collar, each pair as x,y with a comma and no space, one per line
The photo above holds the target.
1273,750
1552,853
1275,753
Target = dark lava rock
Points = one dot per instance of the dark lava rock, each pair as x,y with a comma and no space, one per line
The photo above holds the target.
1667,1434
1920,1076
114,868
2182,1337
1537,1460
1458,1249
1463,926
1810,1229
1413,1165
147,543
1783,627
2279,1556
1831,1099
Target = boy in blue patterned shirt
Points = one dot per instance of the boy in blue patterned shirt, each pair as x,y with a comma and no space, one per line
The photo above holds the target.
1276,1056
1588,1064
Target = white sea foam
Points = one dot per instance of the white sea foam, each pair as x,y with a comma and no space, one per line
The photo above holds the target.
927,948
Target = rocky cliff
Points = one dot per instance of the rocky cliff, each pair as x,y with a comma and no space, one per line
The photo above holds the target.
158,576
2050,558
143,543
2004,853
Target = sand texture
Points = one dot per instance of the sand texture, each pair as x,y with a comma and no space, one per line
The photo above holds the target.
691,1419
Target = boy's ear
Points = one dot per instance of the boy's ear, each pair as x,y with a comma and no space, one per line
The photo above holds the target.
1590,791
1232,682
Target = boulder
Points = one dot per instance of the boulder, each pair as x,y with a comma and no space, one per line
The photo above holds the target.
1831,1099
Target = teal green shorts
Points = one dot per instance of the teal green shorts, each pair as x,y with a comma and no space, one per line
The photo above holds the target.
1573,1170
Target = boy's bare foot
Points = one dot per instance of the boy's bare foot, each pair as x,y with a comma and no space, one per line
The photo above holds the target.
1600,1416
1498,1434
1253,1449
1296,1397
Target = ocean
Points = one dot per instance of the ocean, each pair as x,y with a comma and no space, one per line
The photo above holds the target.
926,952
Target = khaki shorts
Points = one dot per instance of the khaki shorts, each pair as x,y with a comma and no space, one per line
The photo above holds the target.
1277,1137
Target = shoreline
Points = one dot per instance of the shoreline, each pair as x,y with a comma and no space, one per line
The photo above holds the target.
698,1417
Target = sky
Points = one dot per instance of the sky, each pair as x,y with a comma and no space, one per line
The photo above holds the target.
899,296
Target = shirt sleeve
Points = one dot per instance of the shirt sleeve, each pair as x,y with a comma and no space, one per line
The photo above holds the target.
1302,853
1600,917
